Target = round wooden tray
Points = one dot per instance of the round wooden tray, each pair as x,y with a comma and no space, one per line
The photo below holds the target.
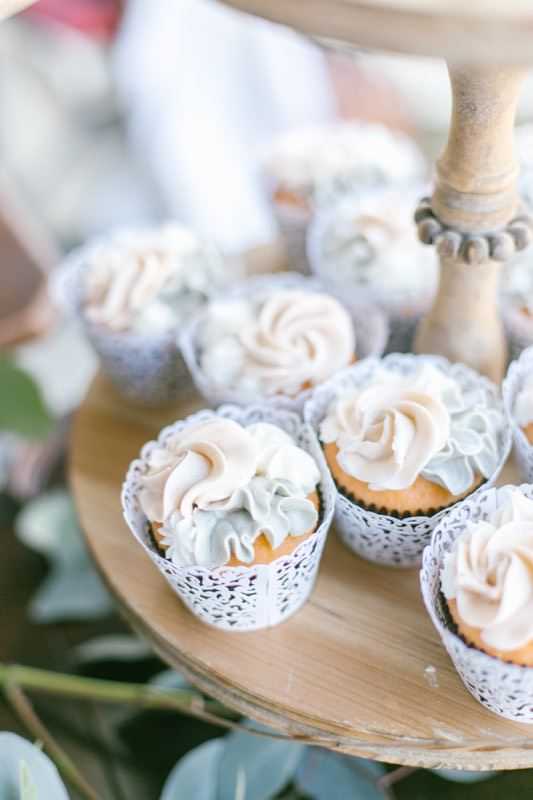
479,31
349,671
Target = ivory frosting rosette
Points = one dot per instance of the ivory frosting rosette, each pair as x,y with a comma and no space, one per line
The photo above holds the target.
477,585
517,391
304,163
406,438
273,338
133,290
363,246
233,507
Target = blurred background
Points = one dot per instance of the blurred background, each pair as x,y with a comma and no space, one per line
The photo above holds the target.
116,112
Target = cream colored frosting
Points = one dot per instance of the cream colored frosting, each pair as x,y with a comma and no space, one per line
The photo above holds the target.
219,485
305,159
425,423
146,280
276,345
523,407
490,575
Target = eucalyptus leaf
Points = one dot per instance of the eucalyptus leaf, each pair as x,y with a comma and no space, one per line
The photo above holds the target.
324,775
72,590
169,679
263,766
195,776
463,776
22,409
114,647
26,773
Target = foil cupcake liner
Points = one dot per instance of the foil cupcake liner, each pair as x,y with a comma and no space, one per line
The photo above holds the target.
243,598
502,687
384,538
518,372
370,324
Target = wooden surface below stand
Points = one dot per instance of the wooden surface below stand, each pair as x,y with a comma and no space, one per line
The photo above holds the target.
349,671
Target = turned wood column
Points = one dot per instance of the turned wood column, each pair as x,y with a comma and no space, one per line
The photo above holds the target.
474,219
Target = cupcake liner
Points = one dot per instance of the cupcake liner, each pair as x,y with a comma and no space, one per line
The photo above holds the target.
293,224
239,598
518,327
371,332
502,687
385,538
517,373
148,370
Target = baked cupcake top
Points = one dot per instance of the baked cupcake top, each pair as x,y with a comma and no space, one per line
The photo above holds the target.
148,279
276,343
304,159
367,241
396,427
216,486
489,574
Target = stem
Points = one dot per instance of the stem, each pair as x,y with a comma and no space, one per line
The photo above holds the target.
64,763
398,774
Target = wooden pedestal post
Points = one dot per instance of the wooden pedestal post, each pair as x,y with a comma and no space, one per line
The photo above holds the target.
474,219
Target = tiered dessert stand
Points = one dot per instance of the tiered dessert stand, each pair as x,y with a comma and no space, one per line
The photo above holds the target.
360,669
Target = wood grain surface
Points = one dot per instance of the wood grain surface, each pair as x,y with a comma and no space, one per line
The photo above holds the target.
347,672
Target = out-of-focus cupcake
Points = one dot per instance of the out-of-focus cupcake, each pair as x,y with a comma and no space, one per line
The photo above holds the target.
477,583
405,439
517,302
233,507
326,160
275,338
517,391
365,247
133,291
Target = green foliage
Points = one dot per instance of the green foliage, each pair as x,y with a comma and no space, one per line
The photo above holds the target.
26,773
22,409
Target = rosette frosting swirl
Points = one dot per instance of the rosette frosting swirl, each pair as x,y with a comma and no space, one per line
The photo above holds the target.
397,427
490,575
215,486
291,340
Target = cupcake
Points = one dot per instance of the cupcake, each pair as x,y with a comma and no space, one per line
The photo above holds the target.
517,302
518,399
365,247
133,290
233,507
477,584
326,160
405,438
273,339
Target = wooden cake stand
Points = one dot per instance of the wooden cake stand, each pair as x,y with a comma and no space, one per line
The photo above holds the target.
359,669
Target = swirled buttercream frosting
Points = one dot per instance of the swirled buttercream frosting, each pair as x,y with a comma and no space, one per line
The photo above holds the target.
398,427
305,159
215,487
523,407
489,574
146,280
281,344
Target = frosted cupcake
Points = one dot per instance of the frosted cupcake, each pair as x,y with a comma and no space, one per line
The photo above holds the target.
133,290
274,339
365,247
234,508
477,582
517,302
325,160
518,399
405,439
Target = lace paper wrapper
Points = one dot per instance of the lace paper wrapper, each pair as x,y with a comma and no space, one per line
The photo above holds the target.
404,307
249,597
518,327
148,370
377,537
516,375
371,333
502,687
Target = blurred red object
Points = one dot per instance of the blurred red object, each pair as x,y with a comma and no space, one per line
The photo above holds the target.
96,18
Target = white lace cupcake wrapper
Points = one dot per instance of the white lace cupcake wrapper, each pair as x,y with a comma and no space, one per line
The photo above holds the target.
239,598
518,327
148,370
370,324
517,373
381,538
504,688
